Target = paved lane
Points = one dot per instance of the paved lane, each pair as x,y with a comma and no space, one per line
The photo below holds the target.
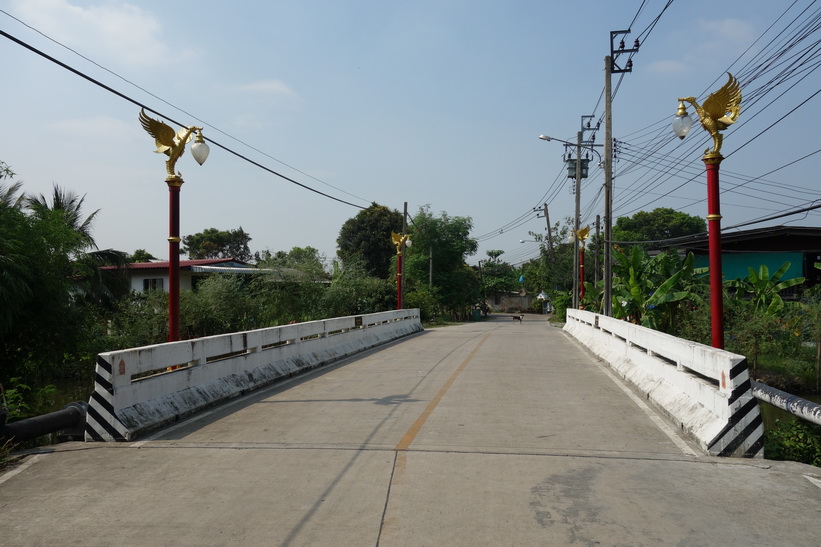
490,433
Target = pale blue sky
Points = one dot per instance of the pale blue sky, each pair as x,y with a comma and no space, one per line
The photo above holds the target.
426,102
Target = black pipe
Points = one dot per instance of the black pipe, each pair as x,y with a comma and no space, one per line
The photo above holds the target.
71,420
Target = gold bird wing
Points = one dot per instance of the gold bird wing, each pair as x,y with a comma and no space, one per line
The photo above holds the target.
724,105
184,134
163,134
396,238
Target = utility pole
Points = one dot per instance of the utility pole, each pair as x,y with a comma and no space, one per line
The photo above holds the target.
579,137
549,232
611,67
608,188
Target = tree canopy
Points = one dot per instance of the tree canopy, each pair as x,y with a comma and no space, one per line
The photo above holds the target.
658,224
141,255
49,279
213,243
367,238
441,245
306,261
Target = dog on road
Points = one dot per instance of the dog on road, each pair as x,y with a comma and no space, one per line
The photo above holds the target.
518,318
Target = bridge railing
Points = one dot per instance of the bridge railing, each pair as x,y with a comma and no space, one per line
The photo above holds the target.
143,388
707,391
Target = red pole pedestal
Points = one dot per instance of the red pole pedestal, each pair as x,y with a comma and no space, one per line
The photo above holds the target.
712,162
174,259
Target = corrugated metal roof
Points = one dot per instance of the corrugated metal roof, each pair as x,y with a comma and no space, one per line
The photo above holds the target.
226,269
186,264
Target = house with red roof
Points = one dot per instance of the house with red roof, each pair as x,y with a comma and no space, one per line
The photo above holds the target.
147,276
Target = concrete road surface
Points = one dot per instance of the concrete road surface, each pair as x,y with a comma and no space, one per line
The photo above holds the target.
489,433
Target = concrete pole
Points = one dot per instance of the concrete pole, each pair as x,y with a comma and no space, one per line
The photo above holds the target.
576,283
549,234
608,188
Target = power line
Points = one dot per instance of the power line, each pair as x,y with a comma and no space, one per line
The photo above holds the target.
146,107
217,129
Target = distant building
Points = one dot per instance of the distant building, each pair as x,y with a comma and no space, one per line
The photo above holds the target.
152,276
772,246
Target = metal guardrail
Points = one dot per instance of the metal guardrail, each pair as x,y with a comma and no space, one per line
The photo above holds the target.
793,404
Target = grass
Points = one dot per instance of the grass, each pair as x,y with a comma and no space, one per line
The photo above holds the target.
791,373
6,457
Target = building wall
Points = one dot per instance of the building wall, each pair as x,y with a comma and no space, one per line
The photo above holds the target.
734,265
138,278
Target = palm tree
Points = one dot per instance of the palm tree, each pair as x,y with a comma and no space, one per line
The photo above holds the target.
85,257
15,287
69,207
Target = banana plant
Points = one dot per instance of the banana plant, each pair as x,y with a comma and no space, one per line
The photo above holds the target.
647,290
764,288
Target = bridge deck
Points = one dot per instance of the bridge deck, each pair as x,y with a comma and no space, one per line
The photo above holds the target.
490,433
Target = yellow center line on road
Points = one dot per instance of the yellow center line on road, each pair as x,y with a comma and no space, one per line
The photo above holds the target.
420,421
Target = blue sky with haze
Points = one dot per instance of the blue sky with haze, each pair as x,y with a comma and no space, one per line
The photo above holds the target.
435,103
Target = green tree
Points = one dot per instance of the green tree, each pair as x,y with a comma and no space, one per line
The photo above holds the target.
292,285
367,239
49,319
16,265
306,262
222,303
659,224
141,255
498,277
553,271
86,260
353,291
441,245
214,243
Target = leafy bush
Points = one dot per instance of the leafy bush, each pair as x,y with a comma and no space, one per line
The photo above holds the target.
21,401
561,301
221,303
423,298
797,440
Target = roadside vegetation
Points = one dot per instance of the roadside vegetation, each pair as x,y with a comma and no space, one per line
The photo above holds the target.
63,300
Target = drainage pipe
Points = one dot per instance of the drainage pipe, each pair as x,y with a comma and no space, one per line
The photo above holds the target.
70,419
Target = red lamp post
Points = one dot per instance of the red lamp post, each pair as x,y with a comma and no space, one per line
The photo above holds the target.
581,237
401,241
720,110
172,144
712,163
174,187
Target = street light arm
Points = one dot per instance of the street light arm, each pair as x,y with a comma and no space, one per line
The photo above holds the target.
568,143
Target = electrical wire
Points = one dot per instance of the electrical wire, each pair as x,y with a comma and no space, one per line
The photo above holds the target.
146,107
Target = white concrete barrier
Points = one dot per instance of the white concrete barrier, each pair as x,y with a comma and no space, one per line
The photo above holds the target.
140,389
706,391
